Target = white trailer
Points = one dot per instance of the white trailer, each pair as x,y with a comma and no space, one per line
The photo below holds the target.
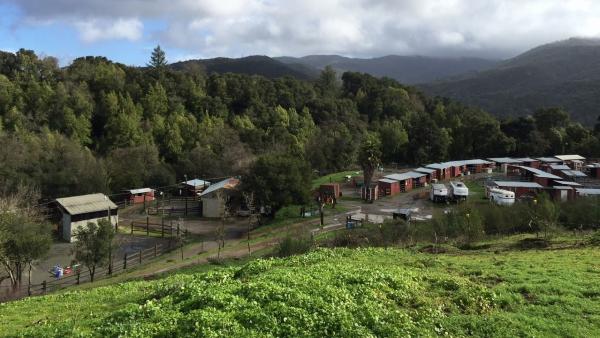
501,196
458,191
438,193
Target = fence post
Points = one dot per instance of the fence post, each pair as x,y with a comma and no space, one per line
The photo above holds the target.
132,227
29,289
147,225
162,227
125,261
155,249
44,287
186,206
177,229
141,256
116,226
78,277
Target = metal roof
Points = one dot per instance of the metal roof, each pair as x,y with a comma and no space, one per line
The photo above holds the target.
425,170
584,192
504,160
229,183
569,157
568,183
559,167
438,165
197,182
517,184
139,191
549,159
573,173
562,188
84,204
387,180
405,176
593,165
527,159
539,173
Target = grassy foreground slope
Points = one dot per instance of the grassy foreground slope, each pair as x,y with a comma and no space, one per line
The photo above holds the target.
341,292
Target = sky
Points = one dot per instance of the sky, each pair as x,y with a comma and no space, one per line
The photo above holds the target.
127,30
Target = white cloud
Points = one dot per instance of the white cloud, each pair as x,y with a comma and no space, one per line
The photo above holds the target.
210,28
102,29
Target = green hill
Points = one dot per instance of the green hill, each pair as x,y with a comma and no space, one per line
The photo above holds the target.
251,65
563,74
342,292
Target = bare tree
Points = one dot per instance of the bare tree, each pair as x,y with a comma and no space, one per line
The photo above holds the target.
249,199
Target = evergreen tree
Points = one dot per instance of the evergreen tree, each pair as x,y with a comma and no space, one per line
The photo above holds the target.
158,59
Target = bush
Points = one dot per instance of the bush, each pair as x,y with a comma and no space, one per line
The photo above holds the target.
290,246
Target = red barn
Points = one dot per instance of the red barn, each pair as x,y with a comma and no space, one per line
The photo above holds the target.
388,187
430,174
140,195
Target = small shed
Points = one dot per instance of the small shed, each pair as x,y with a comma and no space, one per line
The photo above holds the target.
142,195
331,190
78,211
388,187
593,170
519,188
218,196
503,163
573,175
405,180
529,162
561,193
370,193
430,174
574,162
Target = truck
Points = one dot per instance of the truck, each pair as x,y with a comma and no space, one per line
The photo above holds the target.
439,192
458,191
501,196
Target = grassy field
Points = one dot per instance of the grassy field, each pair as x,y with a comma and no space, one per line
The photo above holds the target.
344,292
335,178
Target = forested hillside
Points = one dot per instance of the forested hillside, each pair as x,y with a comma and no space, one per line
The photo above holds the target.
97,125
565,74
405,69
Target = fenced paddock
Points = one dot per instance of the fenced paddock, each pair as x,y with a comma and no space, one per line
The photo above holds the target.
116,266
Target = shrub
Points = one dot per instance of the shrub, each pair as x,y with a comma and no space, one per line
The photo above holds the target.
290,246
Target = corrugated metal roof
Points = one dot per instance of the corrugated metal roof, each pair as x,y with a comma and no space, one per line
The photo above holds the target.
140,191
425,170
197,182
593,165
549,159
517,184
569,157
583,191
573,173
568,183
526,159
562,188
438,165
539,173
405,176
504,160
387,180
559,167
229,183
84,204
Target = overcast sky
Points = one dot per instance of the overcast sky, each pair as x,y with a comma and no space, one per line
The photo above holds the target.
126,30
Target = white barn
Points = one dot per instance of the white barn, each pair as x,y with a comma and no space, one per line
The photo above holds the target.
78,211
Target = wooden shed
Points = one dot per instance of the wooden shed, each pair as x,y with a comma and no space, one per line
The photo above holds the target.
388,187
142,195
330,190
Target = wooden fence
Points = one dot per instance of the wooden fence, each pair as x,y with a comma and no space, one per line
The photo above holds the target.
118,265
163,229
